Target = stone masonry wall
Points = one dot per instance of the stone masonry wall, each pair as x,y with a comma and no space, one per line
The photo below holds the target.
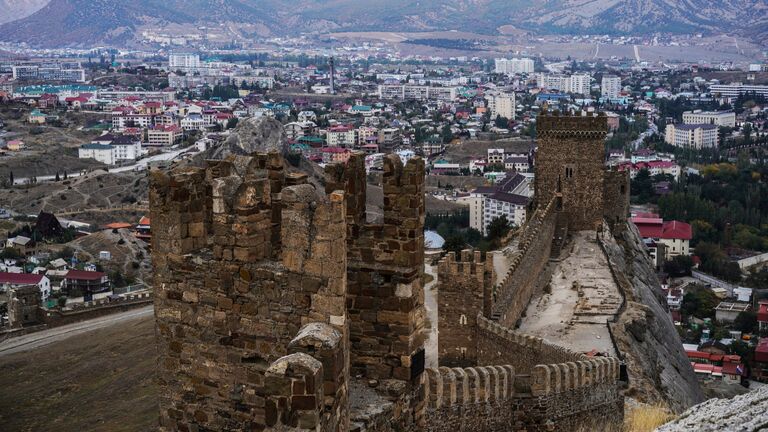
616,199
565,396
385,270
569,163
462,283
500,345
250,277
514,291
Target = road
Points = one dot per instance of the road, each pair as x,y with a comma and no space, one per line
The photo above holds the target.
713,281
138,166
652,129
430,304
45,337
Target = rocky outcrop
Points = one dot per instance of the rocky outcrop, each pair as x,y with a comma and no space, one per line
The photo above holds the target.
262,135
658,369
745,413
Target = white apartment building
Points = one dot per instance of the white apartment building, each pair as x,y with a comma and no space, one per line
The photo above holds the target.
341,136
717,118
163,135
495,156
417,92
696,136
577,83
501,105
734,89
610,87
66,71
504,204
510,197
514,66
103,153
183,61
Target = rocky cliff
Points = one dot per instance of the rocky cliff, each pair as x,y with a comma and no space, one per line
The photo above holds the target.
659,371
745,413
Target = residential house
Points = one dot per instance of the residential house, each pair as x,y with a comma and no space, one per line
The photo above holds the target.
727,312
163,135
85,283
16,280
24,245
517,164
675,235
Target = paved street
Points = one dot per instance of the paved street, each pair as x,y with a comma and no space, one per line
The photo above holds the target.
45,337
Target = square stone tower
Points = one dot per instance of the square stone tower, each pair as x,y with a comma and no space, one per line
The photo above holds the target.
570,164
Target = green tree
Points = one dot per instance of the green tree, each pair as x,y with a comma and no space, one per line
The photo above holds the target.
498,228
700,302
642,186
454,243
745,322
447,134
501,122
679,266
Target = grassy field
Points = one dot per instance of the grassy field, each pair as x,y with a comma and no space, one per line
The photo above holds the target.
100,381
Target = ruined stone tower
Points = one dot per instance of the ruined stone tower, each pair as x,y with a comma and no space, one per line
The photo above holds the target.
267,290
464,293
570,164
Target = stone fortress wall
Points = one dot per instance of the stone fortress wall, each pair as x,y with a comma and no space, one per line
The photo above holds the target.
554,387
275,299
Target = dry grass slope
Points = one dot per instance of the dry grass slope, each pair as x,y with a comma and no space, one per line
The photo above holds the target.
98,381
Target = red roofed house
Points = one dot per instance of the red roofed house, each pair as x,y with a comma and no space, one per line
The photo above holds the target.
85,283
760,370
143,229
762,316
16,280
675,235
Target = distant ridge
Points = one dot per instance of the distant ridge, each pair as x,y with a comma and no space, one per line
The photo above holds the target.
88,22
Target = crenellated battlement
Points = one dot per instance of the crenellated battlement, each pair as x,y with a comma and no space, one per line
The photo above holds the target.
589,126
449,387
468,264
250,288
534,243
563,377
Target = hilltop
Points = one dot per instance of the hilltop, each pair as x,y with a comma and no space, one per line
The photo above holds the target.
82,22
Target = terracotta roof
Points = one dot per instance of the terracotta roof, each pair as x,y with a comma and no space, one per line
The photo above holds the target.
117,225
20,278
84,275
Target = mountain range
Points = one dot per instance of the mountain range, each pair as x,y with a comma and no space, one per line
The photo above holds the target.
49,23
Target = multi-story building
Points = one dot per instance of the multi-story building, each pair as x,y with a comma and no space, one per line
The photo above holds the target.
517,164
717,118
103,153
296,130
735,89
496,156
576,83
390,137
145,95
163,135
341,136
514,66
696,136
674,235
367,135
65,71
510,197
501,105
417,92
610,87
183,61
